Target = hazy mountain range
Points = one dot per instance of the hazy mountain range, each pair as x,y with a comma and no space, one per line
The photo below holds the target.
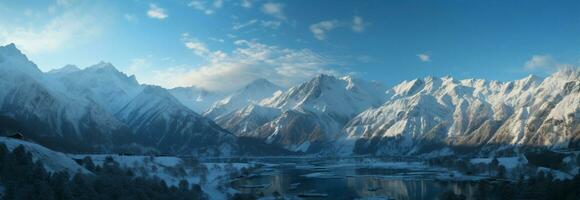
100,109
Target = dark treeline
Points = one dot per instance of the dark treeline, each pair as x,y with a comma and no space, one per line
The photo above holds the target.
525,182
23,178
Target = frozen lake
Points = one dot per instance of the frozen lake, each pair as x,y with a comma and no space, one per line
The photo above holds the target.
352,180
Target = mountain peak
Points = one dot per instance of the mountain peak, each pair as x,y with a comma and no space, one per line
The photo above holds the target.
260,83
323,79
9,46
104,67
324,76
107,69
65,70
13,59
10,50
568,73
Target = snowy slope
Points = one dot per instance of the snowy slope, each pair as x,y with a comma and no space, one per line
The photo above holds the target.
252,93
53,161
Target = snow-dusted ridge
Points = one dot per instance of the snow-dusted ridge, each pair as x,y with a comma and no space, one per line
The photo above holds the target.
528,112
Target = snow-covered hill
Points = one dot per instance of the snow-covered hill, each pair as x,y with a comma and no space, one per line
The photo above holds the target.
52,161
424,113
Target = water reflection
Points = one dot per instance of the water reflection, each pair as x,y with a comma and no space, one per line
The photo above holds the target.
350,183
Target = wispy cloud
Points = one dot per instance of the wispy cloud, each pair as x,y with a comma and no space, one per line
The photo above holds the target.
156,12
544,63
69,27
246,3
248,61
274,9
272,24
540,62
130,18
238,26
200,49
423,57
358,25
321,28
207,7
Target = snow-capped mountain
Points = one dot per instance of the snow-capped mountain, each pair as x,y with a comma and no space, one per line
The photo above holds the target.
305,117
101,109
101,83
196,99
48,115
425,113
156,118
160,121
252,93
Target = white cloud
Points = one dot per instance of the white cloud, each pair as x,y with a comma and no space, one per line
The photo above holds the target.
321,28
544,63
246,3
238,26
206,6
71,27
156,12
151,70
64,2
131,18
424,57
274,9
250,60
358,25
540,62
200,49
218,3
220,40
264,23
270,24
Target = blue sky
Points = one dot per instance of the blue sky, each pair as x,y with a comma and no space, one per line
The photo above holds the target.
215,43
